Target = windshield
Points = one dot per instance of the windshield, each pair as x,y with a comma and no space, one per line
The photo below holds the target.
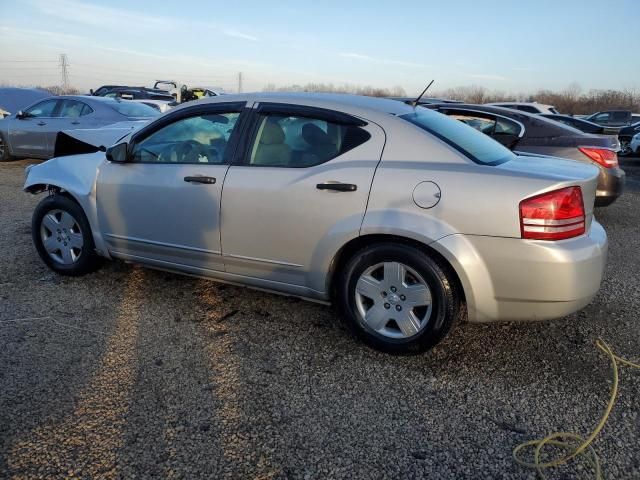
134,109
476,146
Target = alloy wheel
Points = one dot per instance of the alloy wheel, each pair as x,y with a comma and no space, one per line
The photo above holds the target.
61,237
625,147
393,300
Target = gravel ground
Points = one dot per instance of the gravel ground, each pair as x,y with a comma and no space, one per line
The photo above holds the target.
133,372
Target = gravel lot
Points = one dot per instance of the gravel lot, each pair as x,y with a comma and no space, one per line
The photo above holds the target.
132,372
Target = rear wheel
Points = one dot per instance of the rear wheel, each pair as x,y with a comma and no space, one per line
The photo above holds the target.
398,299
625,148
62,236
4,150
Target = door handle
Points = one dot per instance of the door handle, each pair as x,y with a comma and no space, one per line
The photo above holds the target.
337,186
75,123
200,179
42,123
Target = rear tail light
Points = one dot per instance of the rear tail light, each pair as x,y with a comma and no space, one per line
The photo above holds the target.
553,215
604,156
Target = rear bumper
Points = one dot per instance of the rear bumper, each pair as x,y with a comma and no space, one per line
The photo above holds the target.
514,279
610,186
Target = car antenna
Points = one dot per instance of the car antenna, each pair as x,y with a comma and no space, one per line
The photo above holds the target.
415,102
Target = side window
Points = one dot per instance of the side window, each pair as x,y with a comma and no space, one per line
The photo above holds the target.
198,139
42,109
528,109
602,117
482,124
297,142
506,127
74,109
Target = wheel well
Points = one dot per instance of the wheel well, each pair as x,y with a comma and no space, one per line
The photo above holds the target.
52,189
358,243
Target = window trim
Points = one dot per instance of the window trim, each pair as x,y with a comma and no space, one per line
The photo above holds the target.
193,111
307,111
262,110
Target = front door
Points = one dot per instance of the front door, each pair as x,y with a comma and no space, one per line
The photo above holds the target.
299,192
162,207
29,135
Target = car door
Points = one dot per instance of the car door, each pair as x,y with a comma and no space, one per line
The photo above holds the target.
162,206
298,191
28,134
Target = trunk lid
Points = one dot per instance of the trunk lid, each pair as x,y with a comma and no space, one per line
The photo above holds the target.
559,173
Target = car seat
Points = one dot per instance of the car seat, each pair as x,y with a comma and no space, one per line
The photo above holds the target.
271,149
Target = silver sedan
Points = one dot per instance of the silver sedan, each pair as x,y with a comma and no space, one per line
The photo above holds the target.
405,219
32,133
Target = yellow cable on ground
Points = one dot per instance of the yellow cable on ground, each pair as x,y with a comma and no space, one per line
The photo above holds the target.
572,443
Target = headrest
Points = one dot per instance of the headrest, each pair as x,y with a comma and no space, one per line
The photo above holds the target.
314,135
272,133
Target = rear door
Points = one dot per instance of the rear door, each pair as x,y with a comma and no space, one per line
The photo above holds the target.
28,136
299,190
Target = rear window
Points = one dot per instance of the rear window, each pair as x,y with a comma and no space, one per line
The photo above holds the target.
134,109
477,146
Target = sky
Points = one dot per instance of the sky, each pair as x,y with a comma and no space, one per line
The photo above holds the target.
513,46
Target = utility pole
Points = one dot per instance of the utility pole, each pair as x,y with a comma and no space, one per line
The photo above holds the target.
64,65
239,82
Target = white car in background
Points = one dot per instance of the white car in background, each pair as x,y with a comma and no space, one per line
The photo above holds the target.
635,144
529,107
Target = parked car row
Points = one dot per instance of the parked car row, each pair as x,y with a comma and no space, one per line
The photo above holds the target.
532,134
407,219
621,123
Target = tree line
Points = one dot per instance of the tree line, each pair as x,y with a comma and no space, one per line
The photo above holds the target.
571,100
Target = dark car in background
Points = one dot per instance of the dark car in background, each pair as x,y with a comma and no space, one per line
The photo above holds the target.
135,93
614,118
32,133
535,134
581,124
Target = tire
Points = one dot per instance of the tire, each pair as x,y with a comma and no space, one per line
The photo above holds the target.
625,148
62,236
421,322
4,150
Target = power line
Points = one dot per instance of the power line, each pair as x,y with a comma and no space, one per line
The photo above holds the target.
28,61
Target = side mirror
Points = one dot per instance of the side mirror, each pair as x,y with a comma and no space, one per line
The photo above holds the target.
91,91
117,153
20,115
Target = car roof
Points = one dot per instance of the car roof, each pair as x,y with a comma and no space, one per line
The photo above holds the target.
354,104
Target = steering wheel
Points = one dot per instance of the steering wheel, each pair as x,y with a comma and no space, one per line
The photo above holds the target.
190,151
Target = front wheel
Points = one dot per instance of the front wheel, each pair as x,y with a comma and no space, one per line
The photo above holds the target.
397,298
62,236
